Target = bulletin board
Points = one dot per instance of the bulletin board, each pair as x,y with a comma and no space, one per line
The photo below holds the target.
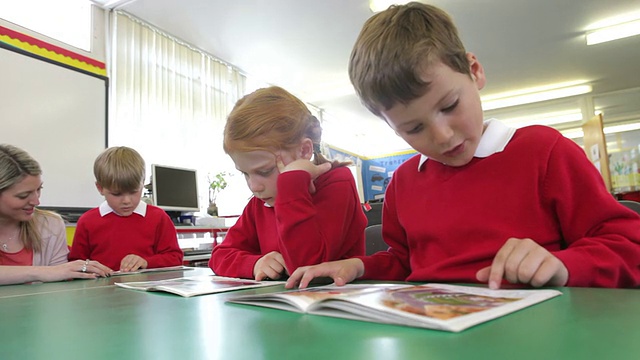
377,172
58,114
374,172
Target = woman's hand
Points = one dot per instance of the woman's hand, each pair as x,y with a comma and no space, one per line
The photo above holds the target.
78,269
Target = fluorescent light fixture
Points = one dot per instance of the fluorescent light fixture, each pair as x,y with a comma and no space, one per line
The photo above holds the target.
573,133
621,128
533,95
620,27
577,132
552,118
111,4
329,92
381,5
614,146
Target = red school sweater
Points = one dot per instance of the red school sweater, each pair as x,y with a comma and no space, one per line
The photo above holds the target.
108,239
445,223
305,228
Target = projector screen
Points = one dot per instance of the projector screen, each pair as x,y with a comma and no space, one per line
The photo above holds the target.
58,115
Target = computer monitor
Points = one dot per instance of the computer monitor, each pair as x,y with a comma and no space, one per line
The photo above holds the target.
174,188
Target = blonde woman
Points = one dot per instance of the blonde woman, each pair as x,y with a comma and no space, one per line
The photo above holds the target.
33,244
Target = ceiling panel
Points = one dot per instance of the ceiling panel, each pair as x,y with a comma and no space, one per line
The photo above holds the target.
304,46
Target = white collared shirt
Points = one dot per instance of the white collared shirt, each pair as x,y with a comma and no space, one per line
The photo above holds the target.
141,209
494,139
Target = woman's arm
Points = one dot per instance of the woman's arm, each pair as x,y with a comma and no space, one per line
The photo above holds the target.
25,274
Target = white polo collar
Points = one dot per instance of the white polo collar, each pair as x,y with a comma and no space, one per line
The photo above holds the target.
141,209
494,139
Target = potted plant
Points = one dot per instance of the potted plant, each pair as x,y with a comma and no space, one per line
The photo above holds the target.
217,183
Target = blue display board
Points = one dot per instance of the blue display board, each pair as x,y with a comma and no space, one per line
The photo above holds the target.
375,172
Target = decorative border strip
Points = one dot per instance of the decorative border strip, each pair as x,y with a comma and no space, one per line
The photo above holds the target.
51,52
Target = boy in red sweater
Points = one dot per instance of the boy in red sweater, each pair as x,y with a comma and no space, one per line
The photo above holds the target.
125,233
482,202
305,209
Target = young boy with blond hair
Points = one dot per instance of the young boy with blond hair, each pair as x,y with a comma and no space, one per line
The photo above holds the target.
125,233
483,202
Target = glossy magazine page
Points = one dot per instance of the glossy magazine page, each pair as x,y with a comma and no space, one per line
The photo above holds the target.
434,306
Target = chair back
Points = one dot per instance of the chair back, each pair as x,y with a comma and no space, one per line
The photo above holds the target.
373,239
633,205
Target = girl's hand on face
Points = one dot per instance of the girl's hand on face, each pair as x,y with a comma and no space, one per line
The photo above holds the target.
305,165
523,261
270,266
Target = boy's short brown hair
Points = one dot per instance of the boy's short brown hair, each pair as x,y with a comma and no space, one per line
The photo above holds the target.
119,168
395,47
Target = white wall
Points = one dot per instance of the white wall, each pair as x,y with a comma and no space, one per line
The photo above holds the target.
58,115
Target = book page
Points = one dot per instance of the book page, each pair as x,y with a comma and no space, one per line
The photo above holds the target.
198,285
437,306
302,300
143,271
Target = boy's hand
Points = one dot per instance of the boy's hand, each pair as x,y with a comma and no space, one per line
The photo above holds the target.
132,262
270,266
305,165
523,261
341,271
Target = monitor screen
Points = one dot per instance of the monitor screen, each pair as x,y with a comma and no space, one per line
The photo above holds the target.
174,188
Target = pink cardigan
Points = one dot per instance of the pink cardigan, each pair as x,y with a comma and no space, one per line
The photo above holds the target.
54,249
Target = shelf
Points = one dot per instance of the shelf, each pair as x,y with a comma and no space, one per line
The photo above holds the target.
199,228
196,257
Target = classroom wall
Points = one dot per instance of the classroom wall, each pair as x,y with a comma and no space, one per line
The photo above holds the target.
98,43
58,115
54,106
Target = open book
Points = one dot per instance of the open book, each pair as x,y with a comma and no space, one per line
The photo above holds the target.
197,285
143,271
433,306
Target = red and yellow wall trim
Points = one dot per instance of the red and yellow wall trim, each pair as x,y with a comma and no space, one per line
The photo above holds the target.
51,52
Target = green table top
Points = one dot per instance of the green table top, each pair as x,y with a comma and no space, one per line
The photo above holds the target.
93,319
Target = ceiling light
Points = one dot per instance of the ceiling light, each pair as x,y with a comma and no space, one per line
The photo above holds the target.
533,95
381,5
623,28
621,128
573,133
577,132
551,118
111,4
329,92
